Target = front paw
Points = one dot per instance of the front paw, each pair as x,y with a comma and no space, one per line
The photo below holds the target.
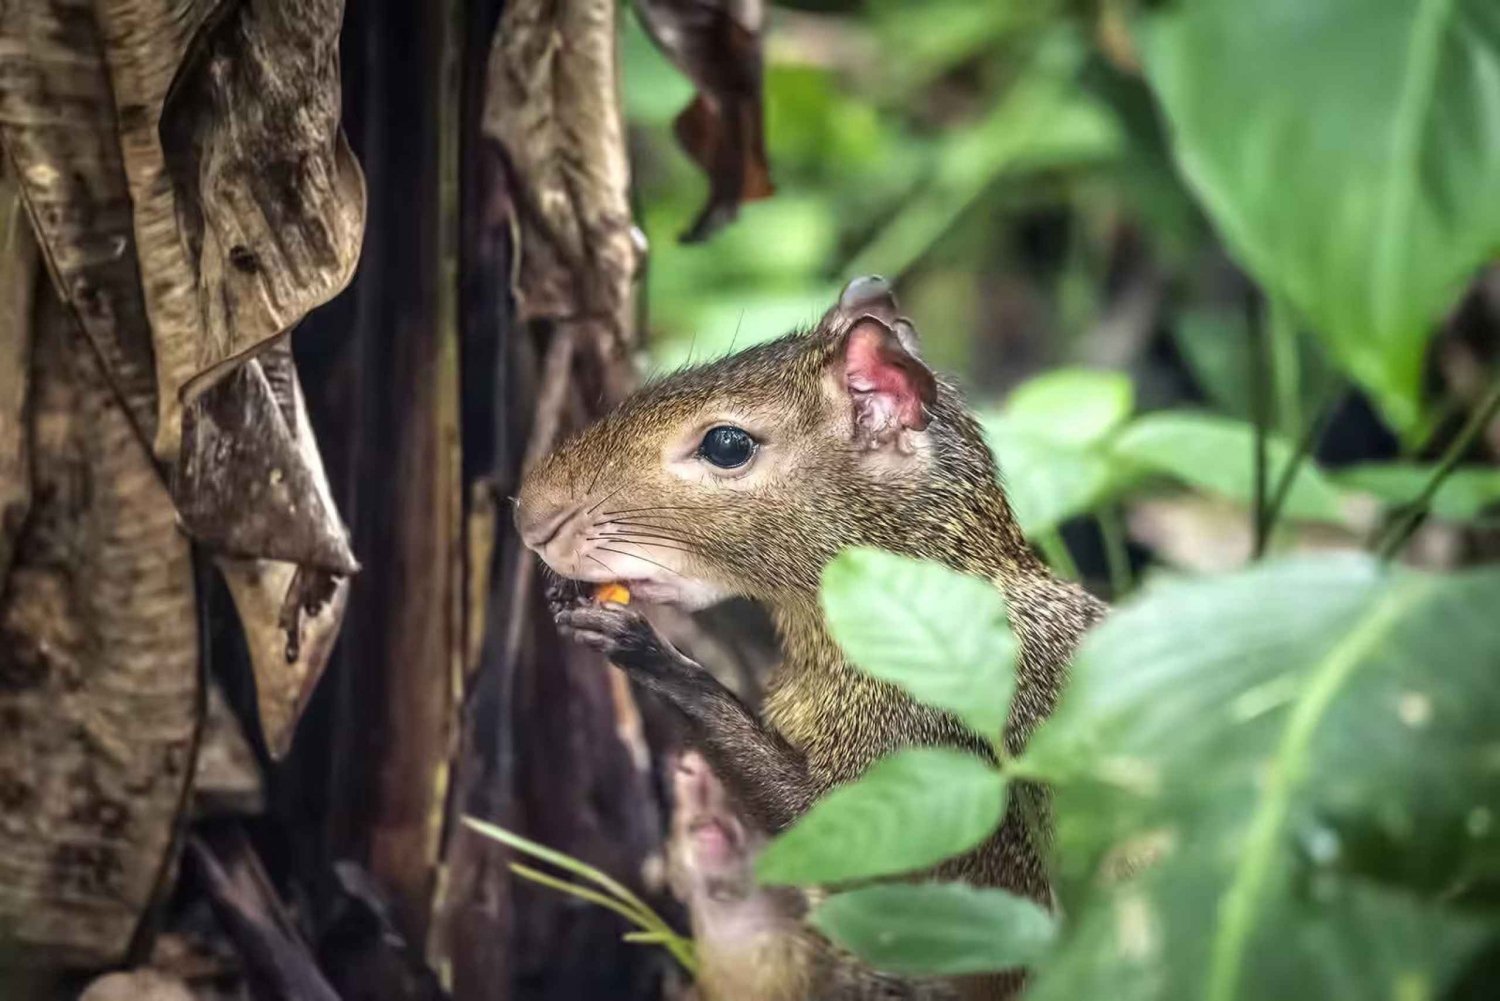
622,634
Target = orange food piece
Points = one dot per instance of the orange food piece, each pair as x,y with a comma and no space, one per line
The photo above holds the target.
613,591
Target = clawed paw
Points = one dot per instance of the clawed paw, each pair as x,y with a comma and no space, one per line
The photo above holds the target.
622,634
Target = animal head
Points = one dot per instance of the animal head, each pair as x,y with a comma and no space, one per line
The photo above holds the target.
746,475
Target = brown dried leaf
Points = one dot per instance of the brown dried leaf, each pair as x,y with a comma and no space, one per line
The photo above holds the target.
555,111
717,44
270,197
291,617
249,481
194,197
142,42
58,124
18,275
98,671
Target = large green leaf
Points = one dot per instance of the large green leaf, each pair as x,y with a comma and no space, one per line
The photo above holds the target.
937,633
1314,744
937,928
1046,483
1347,151
1466,493
1218,454
1072,406
910,811
1050,443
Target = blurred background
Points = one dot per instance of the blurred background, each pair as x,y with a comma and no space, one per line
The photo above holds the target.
1008,166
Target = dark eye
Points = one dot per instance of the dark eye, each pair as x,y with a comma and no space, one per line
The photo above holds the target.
727,446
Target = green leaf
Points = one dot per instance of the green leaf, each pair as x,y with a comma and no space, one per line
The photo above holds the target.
939,634
1315,740
942,929
1354,172
1466,493
1046,483
1072,406
910,811
1218,454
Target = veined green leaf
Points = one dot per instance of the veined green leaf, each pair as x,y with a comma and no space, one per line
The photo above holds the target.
937,928
1072,406
1466,493
1315,742
1218,454
910,811
1346,151
1047,483
939,634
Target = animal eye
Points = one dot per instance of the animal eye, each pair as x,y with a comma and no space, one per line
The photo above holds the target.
727,446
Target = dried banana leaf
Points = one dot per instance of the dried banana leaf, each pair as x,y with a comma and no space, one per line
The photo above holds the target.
291,617
270,197
59,127
194,197
18,275
99,697
717,44
555,110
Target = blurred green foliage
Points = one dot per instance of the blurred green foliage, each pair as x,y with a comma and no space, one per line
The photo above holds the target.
1023,168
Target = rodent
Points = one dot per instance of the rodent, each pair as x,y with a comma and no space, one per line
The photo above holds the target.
746,476
754,939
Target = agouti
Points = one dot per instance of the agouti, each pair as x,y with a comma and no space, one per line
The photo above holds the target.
746,476
752,939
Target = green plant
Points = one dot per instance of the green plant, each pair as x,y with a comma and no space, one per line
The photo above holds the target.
1303,753
1345,151
612,895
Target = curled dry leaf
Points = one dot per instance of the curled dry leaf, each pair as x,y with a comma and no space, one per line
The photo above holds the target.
291,617
194,197
555,111
290,605
717,44
249,481
99,678
271,199
18,276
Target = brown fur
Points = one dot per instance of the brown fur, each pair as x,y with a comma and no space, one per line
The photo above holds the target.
934,496
753,940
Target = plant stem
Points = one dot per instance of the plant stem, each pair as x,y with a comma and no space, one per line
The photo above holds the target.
1260,415
1286,367
1306,444
1116,555
1056,551
1401,530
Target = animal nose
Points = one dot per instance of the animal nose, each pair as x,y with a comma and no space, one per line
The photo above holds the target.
539,527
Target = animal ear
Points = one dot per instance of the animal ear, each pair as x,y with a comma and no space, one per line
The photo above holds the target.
889,388
871,296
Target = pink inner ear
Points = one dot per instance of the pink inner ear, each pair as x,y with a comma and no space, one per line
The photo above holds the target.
890,388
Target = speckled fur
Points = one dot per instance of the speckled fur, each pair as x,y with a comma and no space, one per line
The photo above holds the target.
772,543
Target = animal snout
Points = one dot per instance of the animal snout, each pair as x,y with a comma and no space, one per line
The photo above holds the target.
541,525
